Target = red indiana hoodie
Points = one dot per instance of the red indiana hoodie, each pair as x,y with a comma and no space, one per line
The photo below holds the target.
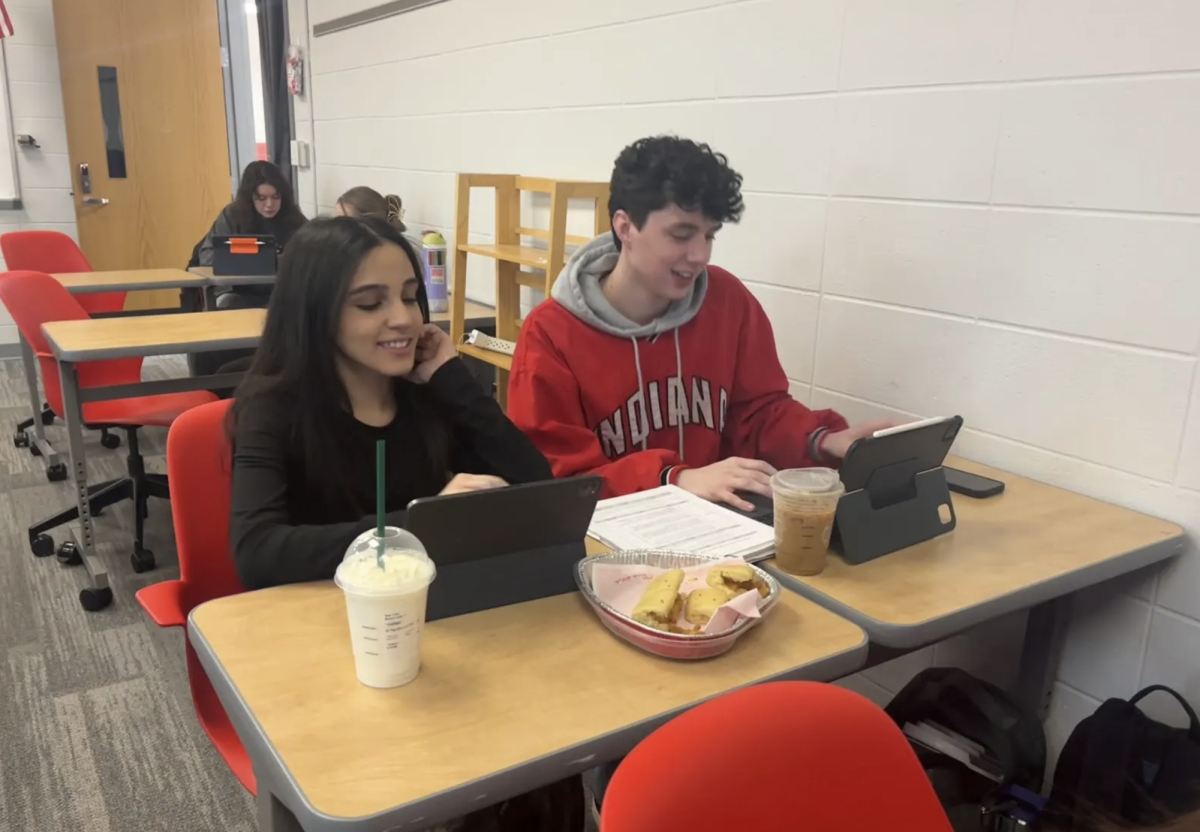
636,404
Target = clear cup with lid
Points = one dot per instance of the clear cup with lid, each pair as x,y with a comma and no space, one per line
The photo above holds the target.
805,505
386,583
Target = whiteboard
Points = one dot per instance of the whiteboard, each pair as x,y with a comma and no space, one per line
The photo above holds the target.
10,188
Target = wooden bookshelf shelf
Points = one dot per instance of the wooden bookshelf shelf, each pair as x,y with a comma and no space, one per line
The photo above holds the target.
496,359
510,252
521,255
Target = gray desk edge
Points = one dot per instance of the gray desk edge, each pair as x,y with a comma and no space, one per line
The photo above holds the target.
79,356
933,630
186,282
497,786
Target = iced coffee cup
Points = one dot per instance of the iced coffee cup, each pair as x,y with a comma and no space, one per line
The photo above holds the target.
805,504
386,606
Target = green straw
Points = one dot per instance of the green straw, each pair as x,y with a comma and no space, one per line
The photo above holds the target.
380,465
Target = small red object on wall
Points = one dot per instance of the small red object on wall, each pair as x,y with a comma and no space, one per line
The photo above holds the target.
295,70
6,29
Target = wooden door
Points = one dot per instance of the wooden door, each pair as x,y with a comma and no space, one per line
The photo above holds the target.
143,96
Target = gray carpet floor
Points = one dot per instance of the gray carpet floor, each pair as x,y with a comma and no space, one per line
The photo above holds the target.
97,731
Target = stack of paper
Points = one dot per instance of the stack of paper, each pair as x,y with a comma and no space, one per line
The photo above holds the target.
674,520
971,754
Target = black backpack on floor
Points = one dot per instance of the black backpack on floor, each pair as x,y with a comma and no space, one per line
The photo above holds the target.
1120,764
983,713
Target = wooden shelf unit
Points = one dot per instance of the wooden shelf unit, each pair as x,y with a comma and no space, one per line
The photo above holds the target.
512,249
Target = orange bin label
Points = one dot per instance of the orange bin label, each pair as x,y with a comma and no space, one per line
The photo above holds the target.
243,245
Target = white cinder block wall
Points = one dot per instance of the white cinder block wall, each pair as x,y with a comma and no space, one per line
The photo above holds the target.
989,208
31,65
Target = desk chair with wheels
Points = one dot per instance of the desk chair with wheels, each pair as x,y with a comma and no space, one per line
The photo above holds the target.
779,757
199,465
53,252
34,299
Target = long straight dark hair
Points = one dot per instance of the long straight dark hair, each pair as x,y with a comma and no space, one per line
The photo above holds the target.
295,363
252,222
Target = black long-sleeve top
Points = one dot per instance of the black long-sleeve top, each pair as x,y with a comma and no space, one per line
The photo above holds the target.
282,531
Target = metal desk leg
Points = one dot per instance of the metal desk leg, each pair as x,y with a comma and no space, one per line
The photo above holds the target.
273,816
29,365
99,595
1045,633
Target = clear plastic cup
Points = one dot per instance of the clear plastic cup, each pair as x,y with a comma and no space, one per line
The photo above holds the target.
386,607
805,505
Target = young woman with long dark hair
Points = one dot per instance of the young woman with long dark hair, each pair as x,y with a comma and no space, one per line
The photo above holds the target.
348,357
264,204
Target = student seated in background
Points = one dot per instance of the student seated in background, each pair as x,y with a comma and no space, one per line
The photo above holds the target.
648,366
264,204
347,357
367,202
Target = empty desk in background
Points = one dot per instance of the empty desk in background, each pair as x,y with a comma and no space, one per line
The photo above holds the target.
1026,548
508,699
96,283
95,339
214,282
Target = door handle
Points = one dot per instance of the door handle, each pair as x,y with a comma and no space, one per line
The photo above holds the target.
94,200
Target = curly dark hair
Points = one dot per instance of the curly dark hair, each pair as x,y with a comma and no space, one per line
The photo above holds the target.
658,171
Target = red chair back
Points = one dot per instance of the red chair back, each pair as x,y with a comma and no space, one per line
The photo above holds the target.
779,757
53,252
199,468
33,299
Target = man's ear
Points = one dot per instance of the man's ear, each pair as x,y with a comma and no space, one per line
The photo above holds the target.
623,227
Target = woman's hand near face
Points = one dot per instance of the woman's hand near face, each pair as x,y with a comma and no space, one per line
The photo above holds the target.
434,348
466,483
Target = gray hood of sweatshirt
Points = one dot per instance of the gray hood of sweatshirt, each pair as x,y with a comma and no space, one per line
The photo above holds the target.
578,290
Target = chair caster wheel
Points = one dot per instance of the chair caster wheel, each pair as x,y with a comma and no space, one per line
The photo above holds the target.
35,449
21,439
142,560
42,545
69,554
94,600
110,441
57,472
47,417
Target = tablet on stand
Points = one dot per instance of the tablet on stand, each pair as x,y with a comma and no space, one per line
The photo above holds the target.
896,493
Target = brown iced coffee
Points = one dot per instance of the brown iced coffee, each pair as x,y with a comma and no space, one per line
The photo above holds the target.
805,505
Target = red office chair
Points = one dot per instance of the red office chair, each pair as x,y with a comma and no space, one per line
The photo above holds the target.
198,463
779,757
52,252
33,299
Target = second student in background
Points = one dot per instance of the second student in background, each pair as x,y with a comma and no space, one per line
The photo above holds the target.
649,366
363,202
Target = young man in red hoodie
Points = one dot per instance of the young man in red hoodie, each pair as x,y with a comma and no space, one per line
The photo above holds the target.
648,366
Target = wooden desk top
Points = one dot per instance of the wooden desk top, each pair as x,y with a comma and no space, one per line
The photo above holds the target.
477,313
1002,546
126,280
497,688
98,338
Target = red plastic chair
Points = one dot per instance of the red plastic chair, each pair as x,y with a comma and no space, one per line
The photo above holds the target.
33,299
779,757
53,252
198,463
